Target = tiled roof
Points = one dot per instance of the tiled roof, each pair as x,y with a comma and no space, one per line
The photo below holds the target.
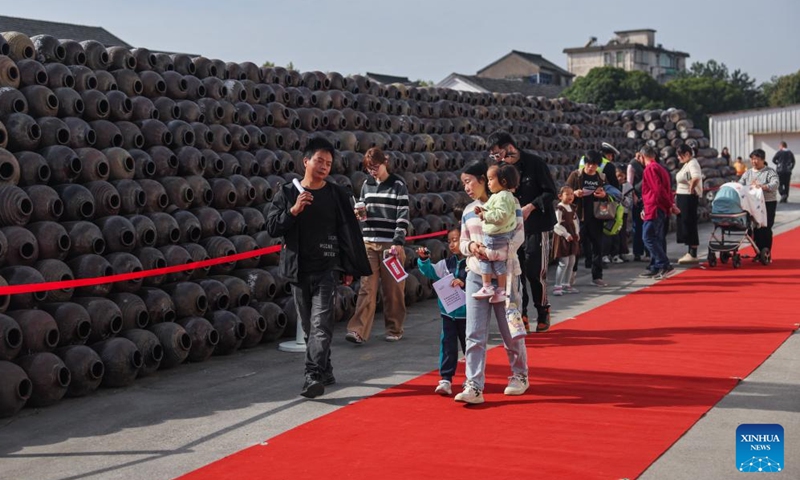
389,79
511,86
65,31
542,62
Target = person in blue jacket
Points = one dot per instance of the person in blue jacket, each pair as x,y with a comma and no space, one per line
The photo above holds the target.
454,324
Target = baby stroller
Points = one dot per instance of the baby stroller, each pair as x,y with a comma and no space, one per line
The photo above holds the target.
735,212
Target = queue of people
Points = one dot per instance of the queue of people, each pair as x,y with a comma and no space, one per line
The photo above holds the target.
515,225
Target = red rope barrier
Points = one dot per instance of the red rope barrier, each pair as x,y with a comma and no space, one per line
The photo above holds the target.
155,272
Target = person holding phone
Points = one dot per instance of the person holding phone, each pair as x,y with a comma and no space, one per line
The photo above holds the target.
321,242
589,185
386,221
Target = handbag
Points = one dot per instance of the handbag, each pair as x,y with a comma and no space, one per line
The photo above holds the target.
604,209
516,326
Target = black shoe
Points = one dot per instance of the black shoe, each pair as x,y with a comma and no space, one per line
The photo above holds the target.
328,379
637,258
649,273
312,387
543,322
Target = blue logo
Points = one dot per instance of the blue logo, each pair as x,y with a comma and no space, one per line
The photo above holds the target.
759,448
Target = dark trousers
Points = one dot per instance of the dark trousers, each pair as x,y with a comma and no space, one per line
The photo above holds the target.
614,245
763,236
533,258
454,333
592,235
638,242
655,239
687,220
784,179
313,298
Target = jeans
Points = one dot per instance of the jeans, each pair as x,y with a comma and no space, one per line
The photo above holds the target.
638,241
313,297
655,241
454,333
497,251
478,317
564,271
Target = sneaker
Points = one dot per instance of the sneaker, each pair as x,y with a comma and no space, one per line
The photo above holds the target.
543,323
470,395
648,273
688,259
570,289
617,259
328,379
354,337
517,384
484,292
664,273
526,323
558,291
312,387
599,282
637,258
444,388
393,338
606,259
499,296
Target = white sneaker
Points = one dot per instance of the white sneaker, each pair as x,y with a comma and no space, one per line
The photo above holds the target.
517,384
558,291
617,259
568,289
606,259
499,296
688,259
599,282
470,395
484,292
444,388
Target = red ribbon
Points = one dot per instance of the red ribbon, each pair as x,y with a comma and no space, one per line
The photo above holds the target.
155,272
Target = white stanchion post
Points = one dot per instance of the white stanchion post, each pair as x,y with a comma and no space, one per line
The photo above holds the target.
296,346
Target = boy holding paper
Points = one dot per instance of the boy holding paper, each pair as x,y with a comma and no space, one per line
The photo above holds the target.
454,323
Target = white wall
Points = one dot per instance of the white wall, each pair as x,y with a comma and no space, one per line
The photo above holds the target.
744,131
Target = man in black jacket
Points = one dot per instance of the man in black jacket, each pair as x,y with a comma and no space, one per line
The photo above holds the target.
784,164
322,241
536,194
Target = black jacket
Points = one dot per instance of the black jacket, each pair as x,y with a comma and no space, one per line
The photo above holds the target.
536,186
281,223
784,161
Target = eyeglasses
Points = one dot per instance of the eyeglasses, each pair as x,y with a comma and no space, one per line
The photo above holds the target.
498,155
374,167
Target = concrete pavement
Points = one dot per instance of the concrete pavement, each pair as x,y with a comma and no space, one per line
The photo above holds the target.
185,418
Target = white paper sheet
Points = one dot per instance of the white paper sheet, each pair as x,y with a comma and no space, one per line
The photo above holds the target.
451,297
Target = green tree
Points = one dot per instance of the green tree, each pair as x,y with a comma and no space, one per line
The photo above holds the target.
702,96
290,66
267,64
425,83
784,90
614,88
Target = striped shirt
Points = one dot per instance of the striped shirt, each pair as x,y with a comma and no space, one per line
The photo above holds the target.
387,210
472,231
766,176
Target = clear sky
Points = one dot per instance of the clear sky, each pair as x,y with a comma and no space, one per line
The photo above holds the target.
429,39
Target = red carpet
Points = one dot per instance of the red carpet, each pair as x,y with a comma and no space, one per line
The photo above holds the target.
610,391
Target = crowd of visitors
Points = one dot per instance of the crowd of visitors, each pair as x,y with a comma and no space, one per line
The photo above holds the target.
600,213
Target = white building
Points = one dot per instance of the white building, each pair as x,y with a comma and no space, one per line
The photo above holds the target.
764,128
629,50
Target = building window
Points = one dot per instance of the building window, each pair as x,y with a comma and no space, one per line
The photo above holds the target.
606,58
666,61
542,78
620,59
638,56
